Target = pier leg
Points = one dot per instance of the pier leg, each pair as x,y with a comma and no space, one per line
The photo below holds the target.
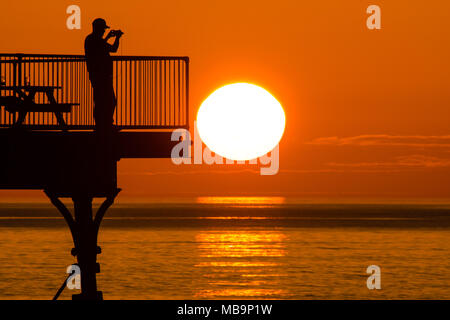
86,249
84,228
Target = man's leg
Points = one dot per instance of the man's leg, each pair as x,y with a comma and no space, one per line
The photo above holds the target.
111,106
100,106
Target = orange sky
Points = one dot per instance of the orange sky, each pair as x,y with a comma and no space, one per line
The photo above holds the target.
367,112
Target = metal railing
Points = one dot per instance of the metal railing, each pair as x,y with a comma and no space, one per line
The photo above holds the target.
151,92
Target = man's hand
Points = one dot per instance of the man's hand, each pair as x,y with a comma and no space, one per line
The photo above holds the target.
118,33
110,35
114,33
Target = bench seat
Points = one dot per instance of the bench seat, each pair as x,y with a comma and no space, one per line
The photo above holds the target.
45,107
15,104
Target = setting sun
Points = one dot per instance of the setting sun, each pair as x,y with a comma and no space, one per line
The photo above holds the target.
241,121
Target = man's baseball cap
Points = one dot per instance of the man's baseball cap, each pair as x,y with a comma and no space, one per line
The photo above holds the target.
99,23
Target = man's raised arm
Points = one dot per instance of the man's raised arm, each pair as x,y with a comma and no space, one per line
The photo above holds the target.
117,34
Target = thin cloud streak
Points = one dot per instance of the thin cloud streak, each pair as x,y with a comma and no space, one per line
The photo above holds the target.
417,141
411,161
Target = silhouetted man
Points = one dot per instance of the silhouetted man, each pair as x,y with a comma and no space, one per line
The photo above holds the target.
100,67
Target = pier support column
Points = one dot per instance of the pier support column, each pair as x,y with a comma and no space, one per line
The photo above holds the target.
86,249
84,228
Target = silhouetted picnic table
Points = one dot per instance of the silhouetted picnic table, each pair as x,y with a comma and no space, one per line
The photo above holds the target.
24,101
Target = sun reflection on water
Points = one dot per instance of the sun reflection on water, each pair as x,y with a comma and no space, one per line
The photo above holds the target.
254,202
241,264
236,244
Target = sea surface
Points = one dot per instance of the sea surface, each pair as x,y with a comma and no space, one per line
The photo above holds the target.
233,248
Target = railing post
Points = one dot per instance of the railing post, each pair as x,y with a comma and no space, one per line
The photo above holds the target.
15,72
187,91
19,75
